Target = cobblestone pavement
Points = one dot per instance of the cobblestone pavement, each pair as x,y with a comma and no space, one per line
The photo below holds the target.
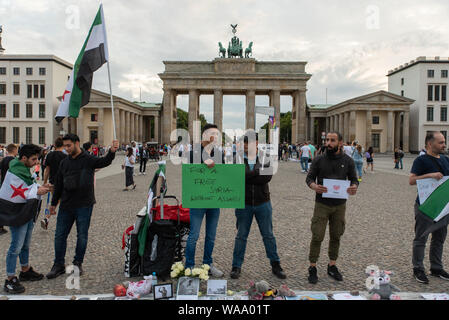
379,230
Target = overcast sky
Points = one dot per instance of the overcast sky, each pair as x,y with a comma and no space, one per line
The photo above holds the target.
349,45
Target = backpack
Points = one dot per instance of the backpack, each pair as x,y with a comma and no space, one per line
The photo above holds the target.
367,155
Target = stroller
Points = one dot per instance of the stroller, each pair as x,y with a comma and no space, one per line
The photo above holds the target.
159,236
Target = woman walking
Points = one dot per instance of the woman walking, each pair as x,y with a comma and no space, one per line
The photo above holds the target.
370,159
358,160
130,160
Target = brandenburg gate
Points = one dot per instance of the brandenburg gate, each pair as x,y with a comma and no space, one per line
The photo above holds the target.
234,75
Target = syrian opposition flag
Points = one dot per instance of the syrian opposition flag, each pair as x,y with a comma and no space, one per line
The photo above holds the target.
93,55
436,207
18,196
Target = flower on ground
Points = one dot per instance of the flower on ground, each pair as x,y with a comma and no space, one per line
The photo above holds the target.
187,272
205,267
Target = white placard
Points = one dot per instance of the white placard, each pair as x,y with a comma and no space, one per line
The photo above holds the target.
188,288
426,187
435,296
217,287
337,189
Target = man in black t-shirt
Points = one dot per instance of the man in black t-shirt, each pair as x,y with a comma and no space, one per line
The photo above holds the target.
4,166
434,165
52,162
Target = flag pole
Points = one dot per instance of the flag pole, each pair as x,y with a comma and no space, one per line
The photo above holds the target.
112,102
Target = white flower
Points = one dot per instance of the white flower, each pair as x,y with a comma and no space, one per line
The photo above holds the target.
205,267
188,272
204,276
180,267
174,274
196,271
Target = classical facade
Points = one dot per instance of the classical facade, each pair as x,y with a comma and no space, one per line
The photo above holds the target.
134,121
239,76
379,119
424,80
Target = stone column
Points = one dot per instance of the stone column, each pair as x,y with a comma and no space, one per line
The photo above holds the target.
122,126
117,125
167,116
295,112
275,101
397,129
301,123
346,126
312,130
405,131
369,126
141,137
352,120
218,109
193,110
101,126
127,127
80,126
157,121
136,128
341,124
328,124
390,131
250,116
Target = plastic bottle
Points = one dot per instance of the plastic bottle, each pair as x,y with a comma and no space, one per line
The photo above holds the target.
154,280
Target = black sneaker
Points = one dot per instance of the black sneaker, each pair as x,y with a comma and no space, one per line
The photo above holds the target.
79,266
278,271
334,273
313,278
420,276
235,272
56,271
30,275
440,273
13,286
3,231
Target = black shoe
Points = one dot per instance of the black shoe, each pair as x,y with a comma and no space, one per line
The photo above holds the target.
277,270
30,275
440,273
334,273
420,276
80,267
235,272
313,278
3,231
56,271
13,286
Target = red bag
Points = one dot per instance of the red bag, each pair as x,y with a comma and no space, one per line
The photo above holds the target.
171,213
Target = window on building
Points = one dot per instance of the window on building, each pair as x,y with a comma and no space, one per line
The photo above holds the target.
29,71
41,110
2,88
3,135
42,71
16,71
36,91
402,81
29,91
402,92
429,114
443,73
94,117
430,93
443,114
28,135
443,93
375,138
29,110
15,135
2,70
16,89
42,91
41,135
375,119
430,73
437,93
16,110
2,110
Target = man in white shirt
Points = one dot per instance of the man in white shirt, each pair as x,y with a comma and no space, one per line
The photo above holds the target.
305,155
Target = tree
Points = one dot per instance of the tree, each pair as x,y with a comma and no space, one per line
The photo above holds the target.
285,127
182,121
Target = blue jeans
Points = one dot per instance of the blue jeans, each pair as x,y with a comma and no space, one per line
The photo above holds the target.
20,246
400,161
196,218
64,223
263,214
359,167
305,163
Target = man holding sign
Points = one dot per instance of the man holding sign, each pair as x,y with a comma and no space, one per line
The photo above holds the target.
328,178
433,165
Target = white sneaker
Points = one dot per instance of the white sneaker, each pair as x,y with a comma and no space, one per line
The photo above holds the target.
140,173
144,173
214,272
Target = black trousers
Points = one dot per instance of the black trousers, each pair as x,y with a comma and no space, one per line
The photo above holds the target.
143,163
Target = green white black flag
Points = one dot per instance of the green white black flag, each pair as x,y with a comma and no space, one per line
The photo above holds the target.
93,55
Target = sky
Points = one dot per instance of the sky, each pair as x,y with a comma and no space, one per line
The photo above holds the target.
349,46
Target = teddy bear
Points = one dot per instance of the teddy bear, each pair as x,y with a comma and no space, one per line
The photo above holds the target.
378,284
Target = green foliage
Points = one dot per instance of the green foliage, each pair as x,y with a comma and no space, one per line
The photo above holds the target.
182,121
286,127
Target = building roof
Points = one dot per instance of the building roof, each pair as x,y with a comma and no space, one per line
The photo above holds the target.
35,57
148,104
319,106
421,59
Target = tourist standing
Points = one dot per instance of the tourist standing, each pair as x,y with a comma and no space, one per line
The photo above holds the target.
11,153
434,164
304,155
143,160
357,156
396,158
74,189
334,164
258,205
130,160
369,155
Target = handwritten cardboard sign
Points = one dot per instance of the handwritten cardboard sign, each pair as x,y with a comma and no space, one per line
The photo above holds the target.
222,186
